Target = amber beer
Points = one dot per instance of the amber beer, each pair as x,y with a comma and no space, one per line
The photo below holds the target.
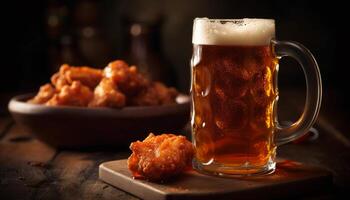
234,66
234,93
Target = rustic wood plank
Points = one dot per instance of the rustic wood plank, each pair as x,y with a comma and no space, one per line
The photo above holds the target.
93,188
193,185
325,151
24,164
76,177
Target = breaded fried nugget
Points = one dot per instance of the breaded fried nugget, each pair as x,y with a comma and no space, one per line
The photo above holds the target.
128,80
45,93
107,95
155,94
118,85
75,94
67,74
59,81
165,95
160,157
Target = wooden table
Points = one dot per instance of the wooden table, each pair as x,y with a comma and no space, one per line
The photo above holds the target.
29,169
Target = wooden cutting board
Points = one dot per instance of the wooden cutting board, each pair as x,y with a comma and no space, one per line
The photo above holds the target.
290,179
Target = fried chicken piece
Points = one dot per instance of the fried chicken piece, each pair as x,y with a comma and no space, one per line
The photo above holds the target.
59,80
75,94
166,95
106,94
45,93
156,94
67,74
128,80
116,86
160,157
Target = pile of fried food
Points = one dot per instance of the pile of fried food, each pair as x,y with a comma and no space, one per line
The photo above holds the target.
159,157
116,86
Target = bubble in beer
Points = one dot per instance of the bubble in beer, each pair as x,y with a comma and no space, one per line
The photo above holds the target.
262,85
220,92
230,80
228,87
231,115
252,65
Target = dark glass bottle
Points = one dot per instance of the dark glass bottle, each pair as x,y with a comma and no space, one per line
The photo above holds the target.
142,47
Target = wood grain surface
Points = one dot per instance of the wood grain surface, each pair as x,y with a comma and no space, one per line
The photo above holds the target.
289,177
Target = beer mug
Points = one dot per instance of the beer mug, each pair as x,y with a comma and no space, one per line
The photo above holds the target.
234,92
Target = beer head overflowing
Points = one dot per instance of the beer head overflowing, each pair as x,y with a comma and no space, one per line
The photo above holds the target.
242,32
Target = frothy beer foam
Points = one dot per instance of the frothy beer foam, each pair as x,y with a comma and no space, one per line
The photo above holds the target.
249,32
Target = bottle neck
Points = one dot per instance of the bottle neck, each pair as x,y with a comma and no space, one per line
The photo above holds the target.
140,46
144,40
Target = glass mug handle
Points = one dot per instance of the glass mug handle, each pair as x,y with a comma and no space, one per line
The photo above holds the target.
312,74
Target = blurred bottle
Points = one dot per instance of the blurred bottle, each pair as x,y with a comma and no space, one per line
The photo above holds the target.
75,35
92,45
56,28
143,48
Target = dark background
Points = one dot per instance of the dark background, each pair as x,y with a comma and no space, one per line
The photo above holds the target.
40,35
